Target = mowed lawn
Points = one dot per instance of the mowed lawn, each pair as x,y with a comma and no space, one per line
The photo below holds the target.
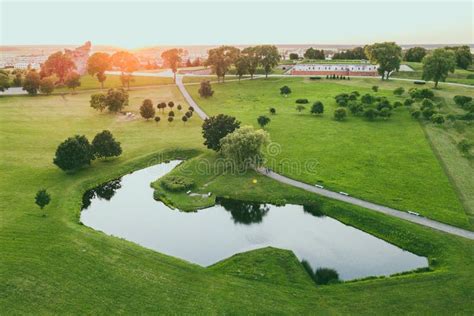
387,162
53,265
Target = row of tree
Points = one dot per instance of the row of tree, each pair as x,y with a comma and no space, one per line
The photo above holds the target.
246,61
462,55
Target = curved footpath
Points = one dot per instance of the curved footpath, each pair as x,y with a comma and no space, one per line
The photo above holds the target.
337,196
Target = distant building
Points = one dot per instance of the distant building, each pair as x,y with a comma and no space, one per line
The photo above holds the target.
335,69
80,56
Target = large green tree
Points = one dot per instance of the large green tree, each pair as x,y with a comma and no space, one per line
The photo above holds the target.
215,128
172,59
463,57
147,110
268,57
73,153
387,55
415,54
46,85
245,147
4,80
104,145
242,65
97,64
220,59
312,53
438,64
31,83
253,60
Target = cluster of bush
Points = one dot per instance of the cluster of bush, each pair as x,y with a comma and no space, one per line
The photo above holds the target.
177,183
76,152
367,105
333,76
147,111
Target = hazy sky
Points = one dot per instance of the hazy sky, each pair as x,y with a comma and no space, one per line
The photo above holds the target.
133,24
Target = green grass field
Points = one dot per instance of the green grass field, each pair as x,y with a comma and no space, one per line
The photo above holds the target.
389,162
54,265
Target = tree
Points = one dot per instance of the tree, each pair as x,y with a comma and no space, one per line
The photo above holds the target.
399,91
438,64
46,85
98,101
73,153
4,80
189,114
294,56
244,147
317,108
263,121
172,59
184,119
272,111
161,106
170,119
242,65
300,108
355,53
220,59
285,90
312,53
463,101
205,90
17,81
375,88
116,99
215,128
104,145
268,57
31,83
42,198
340,113
157,119
127,63
415,54
73,80
171,113
437,119
171,104
463,56
387,55
253,59
58,64
370,114
179,107
147,111
97,64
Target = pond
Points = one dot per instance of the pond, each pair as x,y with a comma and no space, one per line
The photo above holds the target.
125,208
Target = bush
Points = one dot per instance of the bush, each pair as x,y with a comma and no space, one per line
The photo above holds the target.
177,183
397,104
427,104
314,78
302,101
205,90
285,90
340,113
408,102
317,108
272,111
461,100
399,91
428,113
437,118
416,114
326,276
375,88
367,99
464,146
73,153
421,94
371,114
355,108
104,145
46,85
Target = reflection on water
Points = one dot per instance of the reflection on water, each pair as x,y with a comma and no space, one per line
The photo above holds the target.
126,208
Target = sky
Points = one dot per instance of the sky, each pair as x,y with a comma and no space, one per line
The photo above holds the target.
134,24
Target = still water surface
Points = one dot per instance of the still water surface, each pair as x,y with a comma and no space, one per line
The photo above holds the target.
125,208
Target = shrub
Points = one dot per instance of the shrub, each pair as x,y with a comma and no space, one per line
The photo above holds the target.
371,114
385,113
465,146
104,145
177,183
340,113
461,100
285,90
147,110
42,198
326,276
272,111
262,120
205,90
314,78
356,108
421,94
428,113
73,153
437,118
317,108
427,104
46,85
367,99
375,88
399,91
302,101
416,114
300,108
408,102
397,104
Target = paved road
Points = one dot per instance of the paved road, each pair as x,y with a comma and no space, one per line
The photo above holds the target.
337,196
